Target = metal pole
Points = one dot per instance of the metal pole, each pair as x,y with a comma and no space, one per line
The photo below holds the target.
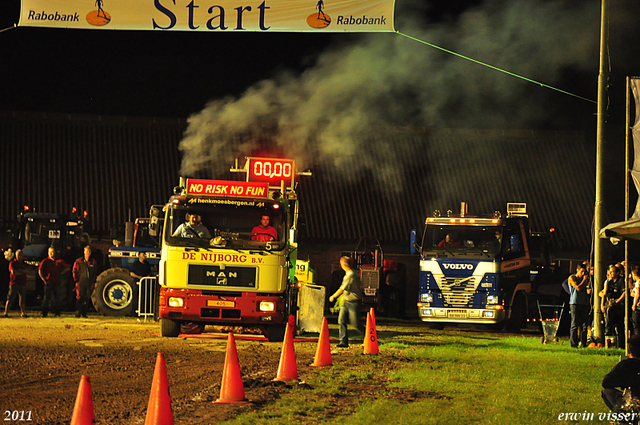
603,80
627,152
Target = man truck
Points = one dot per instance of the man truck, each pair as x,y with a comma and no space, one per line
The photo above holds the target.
238,272
475,269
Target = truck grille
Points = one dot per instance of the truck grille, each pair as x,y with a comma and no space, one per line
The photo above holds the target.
370,278
211,275
457,291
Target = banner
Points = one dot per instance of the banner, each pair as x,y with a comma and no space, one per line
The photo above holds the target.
212,15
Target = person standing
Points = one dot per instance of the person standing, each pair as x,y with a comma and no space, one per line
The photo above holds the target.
351,289
84,275
579,293
635,294
17,284
50,270
139,269
613,305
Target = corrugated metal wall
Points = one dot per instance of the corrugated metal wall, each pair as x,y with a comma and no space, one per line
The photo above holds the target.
109,166
113,165
551,171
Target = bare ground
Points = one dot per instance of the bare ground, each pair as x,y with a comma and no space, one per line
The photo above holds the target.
43,359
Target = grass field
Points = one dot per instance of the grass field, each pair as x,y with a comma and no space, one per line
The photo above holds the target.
455,376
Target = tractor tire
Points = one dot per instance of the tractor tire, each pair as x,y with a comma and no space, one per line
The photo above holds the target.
113,293
169,328
274,333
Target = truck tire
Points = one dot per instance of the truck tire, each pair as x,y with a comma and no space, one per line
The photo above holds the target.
169,328
274,333
518,319
113,293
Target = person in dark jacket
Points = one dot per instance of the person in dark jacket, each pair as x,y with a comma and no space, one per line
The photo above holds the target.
624,376
139,270
18,284
84,275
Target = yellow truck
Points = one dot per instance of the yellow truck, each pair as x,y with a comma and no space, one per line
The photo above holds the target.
229,250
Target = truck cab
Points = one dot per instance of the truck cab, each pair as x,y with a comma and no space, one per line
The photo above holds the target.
475,269
220,264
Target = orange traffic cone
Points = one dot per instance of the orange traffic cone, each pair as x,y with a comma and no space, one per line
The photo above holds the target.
371,337
83,409
323,352
232,388
159,410
288,369
373,317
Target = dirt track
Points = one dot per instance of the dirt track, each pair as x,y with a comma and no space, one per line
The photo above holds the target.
42,360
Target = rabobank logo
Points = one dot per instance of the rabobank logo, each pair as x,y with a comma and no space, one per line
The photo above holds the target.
98,17
319,19
54,16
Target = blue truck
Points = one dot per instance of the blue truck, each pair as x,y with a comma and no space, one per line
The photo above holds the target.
475,269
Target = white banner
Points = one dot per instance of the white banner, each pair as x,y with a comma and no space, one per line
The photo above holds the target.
212,15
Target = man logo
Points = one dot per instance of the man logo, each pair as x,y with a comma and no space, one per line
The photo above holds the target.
98,17
221,277
319,20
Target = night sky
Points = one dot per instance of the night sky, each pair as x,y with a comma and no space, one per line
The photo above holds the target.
175,74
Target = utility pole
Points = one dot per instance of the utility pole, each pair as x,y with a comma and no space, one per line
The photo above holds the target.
603,82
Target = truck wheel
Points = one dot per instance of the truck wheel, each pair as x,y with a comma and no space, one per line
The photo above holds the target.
169,328
191,328
518,319
274,333
113,293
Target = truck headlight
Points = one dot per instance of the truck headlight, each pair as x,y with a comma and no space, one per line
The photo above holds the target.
267,306
176,302
426,297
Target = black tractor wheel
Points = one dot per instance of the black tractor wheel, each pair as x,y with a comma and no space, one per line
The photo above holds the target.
113,293
169,328
274,333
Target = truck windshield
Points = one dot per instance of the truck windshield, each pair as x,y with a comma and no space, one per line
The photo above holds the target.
462,241
226,226
39,232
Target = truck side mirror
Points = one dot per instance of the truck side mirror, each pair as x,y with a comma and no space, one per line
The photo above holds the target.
154,221
414,248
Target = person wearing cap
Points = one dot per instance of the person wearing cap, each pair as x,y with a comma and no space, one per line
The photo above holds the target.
192,228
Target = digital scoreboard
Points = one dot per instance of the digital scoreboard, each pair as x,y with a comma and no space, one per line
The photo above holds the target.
271,170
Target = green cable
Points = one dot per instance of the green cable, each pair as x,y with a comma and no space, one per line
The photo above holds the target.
494,67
